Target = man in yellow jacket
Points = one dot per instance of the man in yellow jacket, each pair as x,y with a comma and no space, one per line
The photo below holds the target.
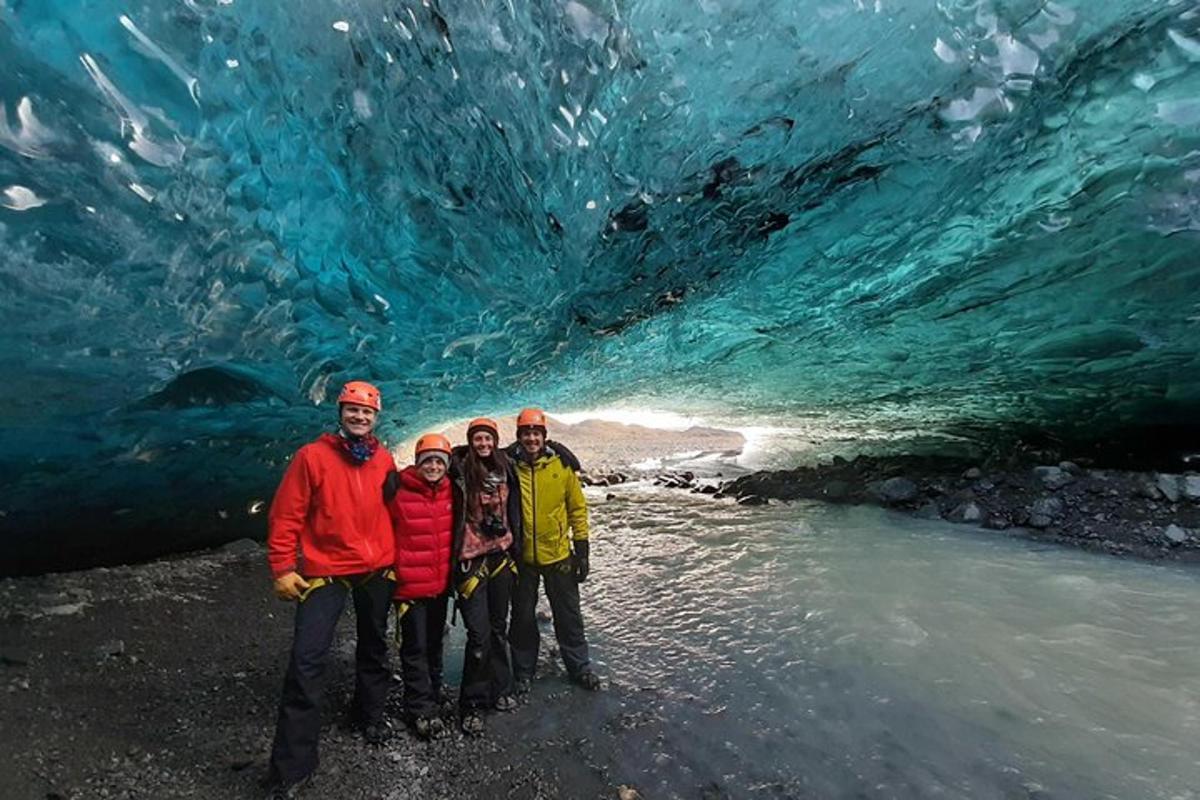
555,548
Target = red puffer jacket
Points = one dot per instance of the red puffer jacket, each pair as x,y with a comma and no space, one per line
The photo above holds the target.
328,516
423,520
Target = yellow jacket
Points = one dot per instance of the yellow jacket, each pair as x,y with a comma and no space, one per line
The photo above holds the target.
551,504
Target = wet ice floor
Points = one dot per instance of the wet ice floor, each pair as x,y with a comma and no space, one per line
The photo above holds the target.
810,650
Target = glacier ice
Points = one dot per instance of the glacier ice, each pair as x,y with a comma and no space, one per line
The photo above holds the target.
971,215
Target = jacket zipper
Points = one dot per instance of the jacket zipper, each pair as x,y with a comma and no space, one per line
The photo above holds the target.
533,503
369,548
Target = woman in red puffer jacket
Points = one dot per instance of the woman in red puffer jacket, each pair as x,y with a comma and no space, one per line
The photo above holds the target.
420,504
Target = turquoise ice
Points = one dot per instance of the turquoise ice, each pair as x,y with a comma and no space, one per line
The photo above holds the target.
962,216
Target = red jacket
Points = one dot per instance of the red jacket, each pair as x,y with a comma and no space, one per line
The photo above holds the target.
328,516
423,520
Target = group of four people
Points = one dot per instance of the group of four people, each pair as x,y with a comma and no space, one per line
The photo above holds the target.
476,523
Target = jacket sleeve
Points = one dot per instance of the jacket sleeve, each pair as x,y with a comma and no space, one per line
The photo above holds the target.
577,511
513,511
288,516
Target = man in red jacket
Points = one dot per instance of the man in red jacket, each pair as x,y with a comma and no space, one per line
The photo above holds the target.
330,536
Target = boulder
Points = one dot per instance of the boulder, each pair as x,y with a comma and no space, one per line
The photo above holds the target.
929,510
1043,512
1191,487
1175,534
836,490
973,474
967,512
752,500
895,491
242,547
1053,478
1070,467
1169,486
1148,489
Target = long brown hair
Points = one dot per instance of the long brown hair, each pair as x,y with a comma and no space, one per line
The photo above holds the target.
476,469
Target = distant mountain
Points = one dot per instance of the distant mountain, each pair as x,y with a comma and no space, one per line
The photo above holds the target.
604,445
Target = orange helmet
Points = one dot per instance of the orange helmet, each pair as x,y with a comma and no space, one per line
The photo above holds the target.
432,443
486,424
531,418
361,393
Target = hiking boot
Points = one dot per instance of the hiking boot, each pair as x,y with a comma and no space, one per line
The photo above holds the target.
429,728
506,702
376,734
472,723
522,686
445,700
588,680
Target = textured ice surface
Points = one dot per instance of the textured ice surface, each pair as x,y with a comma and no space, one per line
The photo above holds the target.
908,215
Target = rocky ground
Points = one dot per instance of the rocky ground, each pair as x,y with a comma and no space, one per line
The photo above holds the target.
160,681
1147,514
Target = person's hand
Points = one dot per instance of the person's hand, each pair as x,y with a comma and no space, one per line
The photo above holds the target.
582,567
289,586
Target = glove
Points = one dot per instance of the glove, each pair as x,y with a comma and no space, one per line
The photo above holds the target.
581,561
290,586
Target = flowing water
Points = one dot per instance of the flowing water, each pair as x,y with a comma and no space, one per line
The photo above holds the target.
807,650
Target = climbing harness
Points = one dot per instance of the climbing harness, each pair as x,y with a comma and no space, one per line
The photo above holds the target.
468,586
317,583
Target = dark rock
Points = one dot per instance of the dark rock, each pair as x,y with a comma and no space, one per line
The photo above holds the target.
1044,511
929,510
836,490
109,649
1175,534
707,489
242,547
1053,478
1169,486
752,500
973,474
1071,468
1191,487
1147,489
609,496
966,512
997,522
895,491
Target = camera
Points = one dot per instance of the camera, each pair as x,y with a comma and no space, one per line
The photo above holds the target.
492,526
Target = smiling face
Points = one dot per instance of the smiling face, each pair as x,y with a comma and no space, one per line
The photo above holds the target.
532,439
357,420
432,469
483,443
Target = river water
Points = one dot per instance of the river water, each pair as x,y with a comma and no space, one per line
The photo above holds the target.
807,650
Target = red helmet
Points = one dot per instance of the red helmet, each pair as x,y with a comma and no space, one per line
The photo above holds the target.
361,393
431,442
531,418
484,424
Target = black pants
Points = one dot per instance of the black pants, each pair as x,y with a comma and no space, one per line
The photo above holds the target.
486,675
422,629
563,592
294,753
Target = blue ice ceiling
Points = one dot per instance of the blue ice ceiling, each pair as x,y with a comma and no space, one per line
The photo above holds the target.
963,214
